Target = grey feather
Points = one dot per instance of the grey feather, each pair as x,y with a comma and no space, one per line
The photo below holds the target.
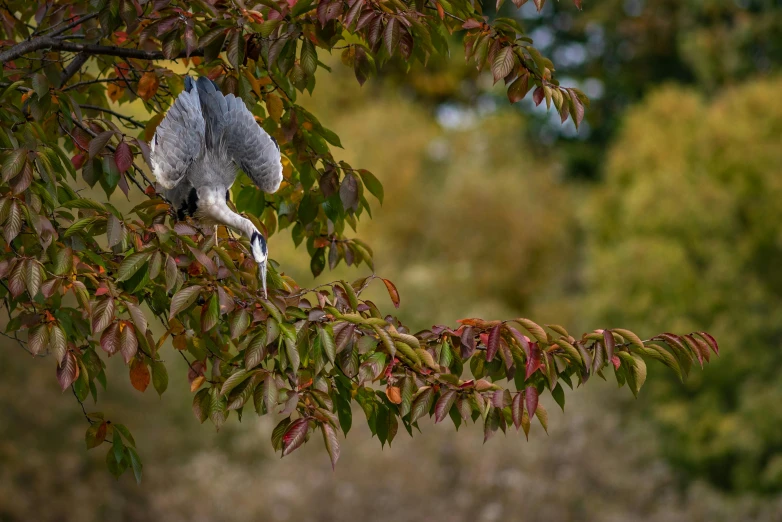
177,143
232,130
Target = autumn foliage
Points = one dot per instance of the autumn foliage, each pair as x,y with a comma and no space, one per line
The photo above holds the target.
83,280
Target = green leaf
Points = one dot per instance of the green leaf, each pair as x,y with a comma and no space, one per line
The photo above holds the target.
309,57
234,380
559,395
95,435
636,370
159,376
135,462
13,164
372,184
131,265
210,313
503,64
327,341
255,351
85,203
182,299
81,224
422,402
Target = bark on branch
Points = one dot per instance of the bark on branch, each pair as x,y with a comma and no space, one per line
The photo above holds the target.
56,44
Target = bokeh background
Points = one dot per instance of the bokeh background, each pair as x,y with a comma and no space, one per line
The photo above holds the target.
663,212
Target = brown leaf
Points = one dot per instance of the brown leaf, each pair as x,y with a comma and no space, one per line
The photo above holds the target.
394,394
392,292
99,142
148,85
139,375
114,91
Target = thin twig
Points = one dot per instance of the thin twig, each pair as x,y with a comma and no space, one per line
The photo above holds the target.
130,120
83,410
90,82
73,24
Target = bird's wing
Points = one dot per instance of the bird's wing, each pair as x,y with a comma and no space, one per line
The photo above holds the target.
178,138
232,130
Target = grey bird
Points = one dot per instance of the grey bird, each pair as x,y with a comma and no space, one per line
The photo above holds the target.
196,154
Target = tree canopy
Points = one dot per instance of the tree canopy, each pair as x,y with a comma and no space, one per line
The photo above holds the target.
87,277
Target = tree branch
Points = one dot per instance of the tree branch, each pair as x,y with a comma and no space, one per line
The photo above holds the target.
73,67
48,42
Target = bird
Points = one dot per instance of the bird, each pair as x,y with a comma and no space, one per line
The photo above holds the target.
196,154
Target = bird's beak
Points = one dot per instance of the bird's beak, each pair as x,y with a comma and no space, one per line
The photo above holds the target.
262,267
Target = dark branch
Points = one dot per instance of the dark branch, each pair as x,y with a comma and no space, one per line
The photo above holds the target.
73,67
48,42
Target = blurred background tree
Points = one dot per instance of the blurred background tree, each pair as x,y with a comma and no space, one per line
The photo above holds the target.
693,208
682,185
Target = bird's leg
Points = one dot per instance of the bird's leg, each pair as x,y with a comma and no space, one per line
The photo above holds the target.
212,206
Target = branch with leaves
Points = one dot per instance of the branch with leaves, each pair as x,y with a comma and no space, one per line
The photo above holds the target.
83,279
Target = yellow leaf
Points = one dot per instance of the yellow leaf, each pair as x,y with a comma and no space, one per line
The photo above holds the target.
274,106
197,382
115,92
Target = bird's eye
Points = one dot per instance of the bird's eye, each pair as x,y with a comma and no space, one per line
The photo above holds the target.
275,142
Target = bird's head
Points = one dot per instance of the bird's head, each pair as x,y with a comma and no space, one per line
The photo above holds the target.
261,255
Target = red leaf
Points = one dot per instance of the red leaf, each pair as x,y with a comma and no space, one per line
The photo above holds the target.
392,292
493,343
531,398
538,95
80,138
443,405
68,371
468,342
78,160
517,410
533,360
616,362
123,156
471,24
711,341
109,341
608,341
294,435
331,442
